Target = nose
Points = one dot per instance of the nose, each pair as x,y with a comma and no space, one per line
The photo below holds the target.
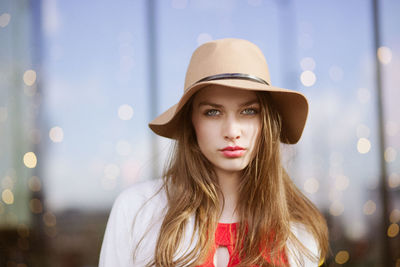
232,129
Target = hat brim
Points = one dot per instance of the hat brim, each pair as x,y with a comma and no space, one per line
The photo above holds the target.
291,105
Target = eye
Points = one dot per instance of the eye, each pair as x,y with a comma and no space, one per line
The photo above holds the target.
212,112
249,111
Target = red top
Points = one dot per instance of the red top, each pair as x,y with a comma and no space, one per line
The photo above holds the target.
226,235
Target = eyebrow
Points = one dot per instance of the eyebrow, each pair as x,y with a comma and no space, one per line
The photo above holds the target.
248,103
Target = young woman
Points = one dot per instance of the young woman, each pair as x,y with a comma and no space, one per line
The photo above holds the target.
224,198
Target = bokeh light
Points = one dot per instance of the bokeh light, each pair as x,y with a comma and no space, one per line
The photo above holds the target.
126,51
125,112
307,63
29,77
363,145
126,61
30,160
356,230
7,196
341,182
390,154
336,208
111,171
49,219
4,19
305,39
392,128
311,185
384,54
394,216
7,183
36,206
308,78
336,73
23,230
363,95
130,171
394,180
56,134
393,230
342,257
369,207
34,184
126,57
109,180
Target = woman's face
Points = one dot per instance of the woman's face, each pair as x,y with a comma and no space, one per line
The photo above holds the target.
227,124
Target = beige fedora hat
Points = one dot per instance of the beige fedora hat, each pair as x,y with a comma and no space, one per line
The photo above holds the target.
235,63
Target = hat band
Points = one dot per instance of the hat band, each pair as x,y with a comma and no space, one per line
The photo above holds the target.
240,76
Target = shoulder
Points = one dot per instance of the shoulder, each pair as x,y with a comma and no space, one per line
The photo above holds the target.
305,237
146,196
137,210
297,256
140,192
133,198
141,202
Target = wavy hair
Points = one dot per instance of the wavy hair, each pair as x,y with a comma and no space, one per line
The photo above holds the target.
268,201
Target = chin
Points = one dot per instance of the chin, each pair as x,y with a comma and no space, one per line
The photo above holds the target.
230,165
232,168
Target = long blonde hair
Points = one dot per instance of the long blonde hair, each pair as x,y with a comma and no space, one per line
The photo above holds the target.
268,200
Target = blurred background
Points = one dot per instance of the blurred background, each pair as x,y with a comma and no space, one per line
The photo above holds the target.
80,80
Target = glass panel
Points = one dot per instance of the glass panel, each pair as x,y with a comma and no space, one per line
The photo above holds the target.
337,163
18,104
75,103
389,57
99,114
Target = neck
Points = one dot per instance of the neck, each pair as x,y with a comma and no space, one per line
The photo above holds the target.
228,182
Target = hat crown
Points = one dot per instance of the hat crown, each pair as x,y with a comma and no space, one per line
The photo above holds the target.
226,56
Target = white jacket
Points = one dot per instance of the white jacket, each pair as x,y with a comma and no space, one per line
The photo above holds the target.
124,232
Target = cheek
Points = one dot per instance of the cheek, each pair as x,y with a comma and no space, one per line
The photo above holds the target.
257,131
205,133
254,132
253,129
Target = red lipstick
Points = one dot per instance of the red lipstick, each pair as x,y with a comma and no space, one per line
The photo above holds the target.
233,151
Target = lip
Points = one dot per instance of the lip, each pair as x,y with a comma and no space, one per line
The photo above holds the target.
232,148
233,151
